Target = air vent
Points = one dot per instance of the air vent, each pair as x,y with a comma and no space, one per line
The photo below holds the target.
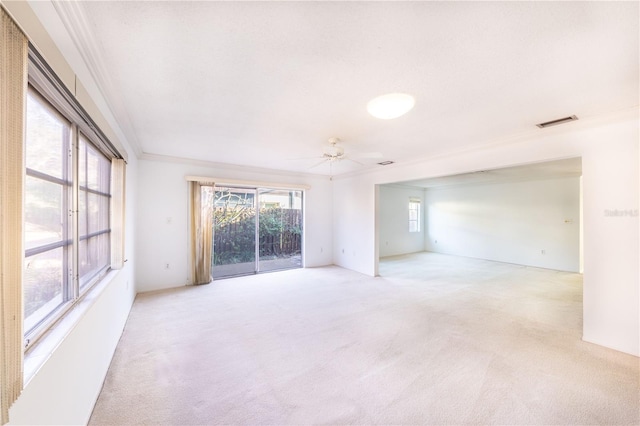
558,121
385,163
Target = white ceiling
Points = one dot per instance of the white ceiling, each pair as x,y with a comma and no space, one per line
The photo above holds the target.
267,83
571,167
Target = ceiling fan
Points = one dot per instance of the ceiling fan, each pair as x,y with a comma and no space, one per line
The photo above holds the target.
334,152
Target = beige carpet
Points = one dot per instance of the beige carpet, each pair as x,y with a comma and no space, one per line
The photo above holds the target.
437,340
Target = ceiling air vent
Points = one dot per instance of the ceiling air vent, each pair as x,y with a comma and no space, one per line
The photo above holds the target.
558,121
385,163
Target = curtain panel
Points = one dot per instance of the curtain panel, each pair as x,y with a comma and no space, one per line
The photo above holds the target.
13,90
201,204
118,177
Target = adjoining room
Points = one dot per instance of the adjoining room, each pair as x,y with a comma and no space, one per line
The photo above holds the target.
528,215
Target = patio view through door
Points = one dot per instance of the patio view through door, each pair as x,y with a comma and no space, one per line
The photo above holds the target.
255,230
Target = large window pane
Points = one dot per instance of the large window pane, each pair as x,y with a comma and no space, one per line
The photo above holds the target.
47,132
44,281
93,212
82,163
45,214
94,257
104,204
82,215
94,168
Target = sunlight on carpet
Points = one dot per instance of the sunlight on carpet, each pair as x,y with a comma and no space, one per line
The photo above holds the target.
436,340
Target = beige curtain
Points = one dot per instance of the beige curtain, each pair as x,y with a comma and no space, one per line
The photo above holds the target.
118,176
201,199
13,89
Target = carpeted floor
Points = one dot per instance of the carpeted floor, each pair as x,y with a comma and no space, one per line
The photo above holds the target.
436,340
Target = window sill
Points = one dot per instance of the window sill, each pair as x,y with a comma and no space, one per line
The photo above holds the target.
36,356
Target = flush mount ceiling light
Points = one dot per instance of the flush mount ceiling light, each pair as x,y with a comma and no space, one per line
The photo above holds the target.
389,106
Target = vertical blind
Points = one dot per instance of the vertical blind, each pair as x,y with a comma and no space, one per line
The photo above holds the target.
117,212
201,231
13,88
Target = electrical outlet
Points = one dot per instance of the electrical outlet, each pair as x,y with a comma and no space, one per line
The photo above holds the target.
543,252
166,265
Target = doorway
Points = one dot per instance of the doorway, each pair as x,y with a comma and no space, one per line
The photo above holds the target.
529,214
255,230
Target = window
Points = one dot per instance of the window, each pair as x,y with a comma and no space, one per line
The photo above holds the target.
68,201
67,204
94,172
47,223
414,215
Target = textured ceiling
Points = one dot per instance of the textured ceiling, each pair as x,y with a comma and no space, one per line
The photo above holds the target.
265,84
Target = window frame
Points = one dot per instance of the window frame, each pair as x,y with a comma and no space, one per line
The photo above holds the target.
45,87
415,204
95,234
67,225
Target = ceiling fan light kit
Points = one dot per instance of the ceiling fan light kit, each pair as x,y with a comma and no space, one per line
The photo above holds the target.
333,152
391,105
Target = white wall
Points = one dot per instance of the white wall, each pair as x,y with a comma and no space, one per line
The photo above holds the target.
64,389
395,237
354,223
609,151
163,223
508,222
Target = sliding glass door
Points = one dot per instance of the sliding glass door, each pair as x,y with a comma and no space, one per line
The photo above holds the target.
234,232
280,220
256,230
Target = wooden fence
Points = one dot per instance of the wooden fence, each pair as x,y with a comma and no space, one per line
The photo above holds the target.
280,234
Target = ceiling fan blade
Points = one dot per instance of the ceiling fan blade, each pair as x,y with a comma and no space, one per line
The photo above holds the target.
305,158
368,155
355,161
317,164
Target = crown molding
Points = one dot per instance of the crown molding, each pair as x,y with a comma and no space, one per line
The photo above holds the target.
400,185
74,19
245,183
145,156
